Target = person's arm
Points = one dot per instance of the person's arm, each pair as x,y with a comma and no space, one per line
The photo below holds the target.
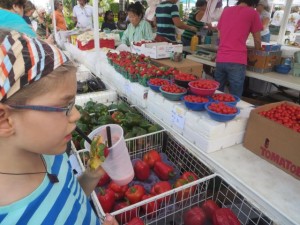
257,40
125,37
178,23
154,24
199,15
89,179
265,22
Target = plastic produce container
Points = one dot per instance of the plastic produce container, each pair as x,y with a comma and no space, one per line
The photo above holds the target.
203,91
221,117
173,96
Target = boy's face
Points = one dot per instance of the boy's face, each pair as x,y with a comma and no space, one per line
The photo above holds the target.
48,132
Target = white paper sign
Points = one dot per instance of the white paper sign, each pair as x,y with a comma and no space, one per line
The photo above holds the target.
178,117
127,88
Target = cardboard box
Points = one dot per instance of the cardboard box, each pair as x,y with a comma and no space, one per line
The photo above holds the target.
156,50
272,141
186,65
263,61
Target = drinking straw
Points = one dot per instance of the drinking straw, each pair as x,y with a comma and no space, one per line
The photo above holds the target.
83,135
108,133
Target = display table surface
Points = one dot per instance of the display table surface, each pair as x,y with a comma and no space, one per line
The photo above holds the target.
271,190
279,190
284,80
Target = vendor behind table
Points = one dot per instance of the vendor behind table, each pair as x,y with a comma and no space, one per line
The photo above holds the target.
194,20
167,19
138,29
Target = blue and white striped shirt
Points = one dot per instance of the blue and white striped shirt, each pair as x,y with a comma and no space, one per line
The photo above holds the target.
164,13
59,203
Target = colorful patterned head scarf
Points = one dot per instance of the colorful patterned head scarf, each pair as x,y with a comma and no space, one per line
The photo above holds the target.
24,60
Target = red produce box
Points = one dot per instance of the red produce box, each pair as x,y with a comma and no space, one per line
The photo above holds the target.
273,141
104,43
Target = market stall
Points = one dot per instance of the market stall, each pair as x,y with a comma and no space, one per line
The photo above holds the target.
261,183
256,191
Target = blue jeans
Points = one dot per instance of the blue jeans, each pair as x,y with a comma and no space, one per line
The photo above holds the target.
266,38
232,73
185,42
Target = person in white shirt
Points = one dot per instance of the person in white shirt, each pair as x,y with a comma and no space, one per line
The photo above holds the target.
263,9
83,14
277,17
293,19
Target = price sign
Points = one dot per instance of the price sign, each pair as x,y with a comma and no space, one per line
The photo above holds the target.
178,117
127,88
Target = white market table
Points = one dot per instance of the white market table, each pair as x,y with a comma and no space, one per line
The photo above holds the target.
271,190
288,81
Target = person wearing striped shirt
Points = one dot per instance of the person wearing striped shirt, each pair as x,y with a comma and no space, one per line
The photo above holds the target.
167,19
194,20
37,117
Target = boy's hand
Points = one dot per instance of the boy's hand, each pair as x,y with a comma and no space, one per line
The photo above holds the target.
109,220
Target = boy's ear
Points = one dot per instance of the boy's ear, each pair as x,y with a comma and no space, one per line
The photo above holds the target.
15,7
6,127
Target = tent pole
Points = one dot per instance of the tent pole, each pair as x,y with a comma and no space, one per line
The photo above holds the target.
96,25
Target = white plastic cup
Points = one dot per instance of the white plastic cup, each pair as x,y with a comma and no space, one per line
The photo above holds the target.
117,164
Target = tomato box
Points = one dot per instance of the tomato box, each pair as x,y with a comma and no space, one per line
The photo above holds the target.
156,50
185,66
272,141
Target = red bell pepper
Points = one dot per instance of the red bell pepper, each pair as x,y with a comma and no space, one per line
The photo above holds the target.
189,176
103,180
163,170
185,193
210,207
150,208
106,199
136,221
151,157
161,187
194,216
135,193
141,170
118,116
126,216
118,190
225,216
